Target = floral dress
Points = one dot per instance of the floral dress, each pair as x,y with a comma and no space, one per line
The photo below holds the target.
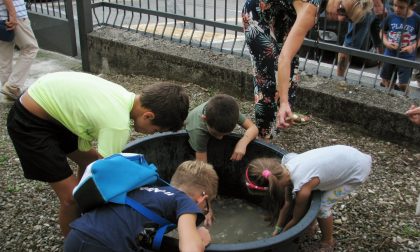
265,33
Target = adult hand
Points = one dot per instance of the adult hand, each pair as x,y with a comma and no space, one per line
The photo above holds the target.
11,24
282,114
205,235
414,114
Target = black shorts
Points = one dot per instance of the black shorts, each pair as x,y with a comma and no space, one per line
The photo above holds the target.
41,145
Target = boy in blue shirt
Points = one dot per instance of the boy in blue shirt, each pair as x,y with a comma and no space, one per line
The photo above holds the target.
115,227
400,37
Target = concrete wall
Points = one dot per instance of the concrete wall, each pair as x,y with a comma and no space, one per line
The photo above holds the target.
118,51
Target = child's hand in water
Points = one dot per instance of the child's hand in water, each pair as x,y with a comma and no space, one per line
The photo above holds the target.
209,219
277,230
205,235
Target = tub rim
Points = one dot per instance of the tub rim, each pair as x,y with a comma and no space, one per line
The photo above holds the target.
258,245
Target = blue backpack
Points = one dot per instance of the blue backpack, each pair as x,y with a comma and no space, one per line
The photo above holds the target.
110,179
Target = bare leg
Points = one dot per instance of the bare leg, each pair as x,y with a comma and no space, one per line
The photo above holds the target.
83,159
326,226
343,61
68,207
403,86
69,210
385,83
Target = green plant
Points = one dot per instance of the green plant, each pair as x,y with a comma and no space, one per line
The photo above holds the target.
3,159
408,231
13,188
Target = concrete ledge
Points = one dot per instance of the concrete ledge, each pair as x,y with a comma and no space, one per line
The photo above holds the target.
118,51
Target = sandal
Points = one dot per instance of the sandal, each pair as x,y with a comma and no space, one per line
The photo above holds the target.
297,118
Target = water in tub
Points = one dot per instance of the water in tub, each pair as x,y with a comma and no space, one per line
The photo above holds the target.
236,221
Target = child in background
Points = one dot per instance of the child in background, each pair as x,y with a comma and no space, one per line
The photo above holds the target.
115,227
335,170
400,32
217,118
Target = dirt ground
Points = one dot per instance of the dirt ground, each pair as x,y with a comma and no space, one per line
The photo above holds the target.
380,217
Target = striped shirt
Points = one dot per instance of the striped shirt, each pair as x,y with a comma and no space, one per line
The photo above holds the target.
20,7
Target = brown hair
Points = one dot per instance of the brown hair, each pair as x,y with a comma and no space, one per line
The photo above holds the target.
222,113
359,9
275,190
196,176
169,103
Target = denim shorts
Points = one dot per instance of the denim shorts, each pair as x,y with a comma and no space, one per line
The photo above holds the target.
404,73
361,33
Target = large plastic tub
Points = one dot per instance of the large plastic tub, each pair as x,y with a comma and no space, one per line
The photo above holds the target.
168,150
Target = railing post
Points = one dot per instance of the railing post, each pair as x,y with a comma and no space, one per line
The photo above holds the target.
84,14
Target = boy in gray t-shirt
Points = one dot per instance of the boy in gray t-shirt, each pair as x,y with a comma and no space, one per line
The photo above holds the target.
216,118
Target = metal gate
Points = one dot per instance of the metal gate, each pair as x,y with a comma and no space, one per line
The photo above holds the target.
53,24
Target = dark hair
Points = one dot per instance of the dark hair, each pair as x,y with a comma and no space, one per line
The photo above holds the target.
275,192
169,103
222,113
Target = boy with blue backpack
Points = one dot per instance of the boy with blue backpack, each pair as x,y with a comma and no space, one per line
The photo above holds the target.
118,227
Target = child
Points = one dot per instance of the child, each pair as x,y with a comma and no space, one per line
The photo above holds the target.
336,170
116,227
218,117
400,37
62,113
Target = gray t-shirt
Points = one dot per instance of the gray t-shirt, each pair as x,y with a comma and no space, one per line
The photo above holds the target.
197,128
335,166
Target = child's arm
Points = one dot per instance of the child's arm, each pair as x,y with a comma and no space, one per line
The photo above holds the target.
411,48
250,134
385,41
191,238
301,202
202,156
283,213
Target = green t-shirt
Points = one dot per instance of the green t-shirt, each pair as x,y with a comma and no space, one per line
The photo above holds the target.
197,128
90,107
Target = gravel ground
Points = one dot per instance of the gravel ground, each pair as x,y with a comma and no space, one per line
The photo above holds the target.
380,217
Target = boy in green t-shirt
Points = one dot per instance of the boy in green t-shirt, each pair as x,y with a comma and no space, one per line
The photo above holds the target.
218,117
61,114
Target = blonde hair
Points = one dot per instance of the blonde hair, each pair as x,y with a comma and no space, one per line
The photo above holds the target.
196,176
359,9
275,191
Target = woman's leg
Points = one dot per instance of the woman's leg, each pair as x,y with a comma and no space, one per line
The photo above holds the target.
264,54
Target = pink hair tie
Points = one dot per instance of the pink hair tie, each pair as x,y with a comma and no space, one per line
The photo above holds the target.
266,173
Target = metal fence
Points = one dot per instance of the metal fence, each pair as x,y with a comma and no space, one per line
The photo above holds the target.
216,24
53,25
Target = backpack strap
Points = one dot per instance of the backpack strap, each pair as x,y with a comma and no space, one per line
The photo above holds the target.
164,224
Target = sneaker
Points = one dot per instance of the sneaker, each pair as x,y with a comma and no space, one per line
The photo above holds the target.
11,93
